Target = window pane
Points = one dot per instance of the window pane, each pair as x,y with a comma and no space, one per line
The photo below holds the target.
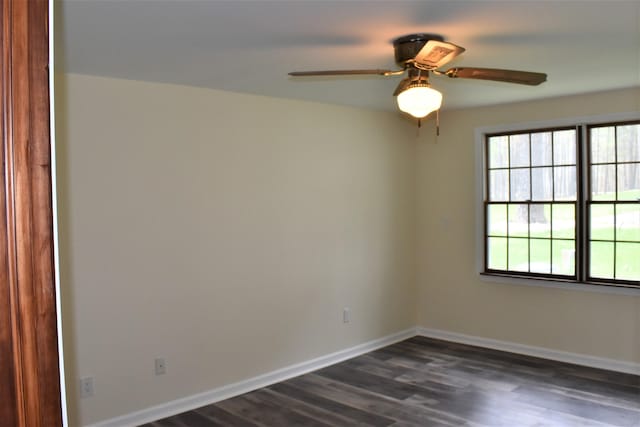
519,220
563,257
603,182
542,184
628,261
497,256
519,149
629,181
498,152
541,149
564,147
499,185
497,220
628,223
601,218
563,221
540,224
534,192
540,256
629,143
603,145
564,181
520,185
601,260
518,254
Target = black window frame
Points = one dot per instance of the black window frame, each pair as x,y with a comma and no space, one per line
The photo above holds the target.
583,202
588,202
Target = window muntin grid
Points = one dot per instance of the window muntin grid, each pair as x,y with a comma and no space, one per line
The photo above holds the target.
590,226
613,203
531,203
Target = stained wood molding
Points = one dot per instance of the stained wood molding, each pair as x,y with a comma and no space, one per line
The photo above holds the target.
30,384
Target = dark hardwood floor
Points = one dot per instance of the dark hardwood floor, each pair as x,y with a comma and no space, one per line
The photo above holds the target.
427,382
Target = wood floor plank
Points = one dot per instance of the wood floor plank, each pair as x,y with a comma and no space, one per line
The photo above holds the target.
219,416
376,383
375,366
374,402
585,409
434,383
334,418
251,407
329,402
193,418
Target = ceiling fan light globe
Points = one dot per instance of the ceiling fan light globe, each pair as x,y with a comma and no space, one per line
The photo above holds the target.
419,101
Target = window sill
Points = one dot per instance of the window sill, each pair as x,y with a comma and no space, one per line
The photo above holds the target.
560,284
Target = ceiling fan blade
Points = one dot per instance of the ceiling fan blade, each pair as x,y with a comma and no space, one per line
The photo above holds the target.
345,73
435,54
509,76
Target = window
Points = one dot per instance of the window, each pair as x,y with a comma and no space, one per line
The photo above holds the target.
613,203
564,203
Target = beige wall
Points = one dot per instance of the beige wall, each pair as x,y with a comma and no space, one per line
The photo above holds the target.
224,232
451,295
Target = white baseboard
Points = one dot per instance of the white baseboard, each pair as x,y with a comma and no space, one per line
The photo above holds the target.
208,397
545,353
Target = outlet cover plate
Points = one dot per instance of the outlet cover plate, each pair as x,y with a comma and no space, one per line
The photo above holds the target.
86,387
160,366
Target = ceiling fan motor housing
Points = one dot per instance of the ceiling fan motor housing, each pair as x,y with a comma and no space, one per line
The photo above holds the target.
407,47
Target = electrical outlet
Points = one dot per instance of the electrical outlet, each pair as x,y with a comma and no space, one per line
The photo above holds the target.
86,387
161,366
346,315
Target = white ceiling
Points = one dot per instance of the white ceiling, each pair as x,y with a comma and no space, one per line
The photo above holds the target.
249,46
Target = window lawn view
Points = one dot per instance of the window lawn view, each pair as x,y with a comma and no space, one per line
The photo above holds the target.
561,208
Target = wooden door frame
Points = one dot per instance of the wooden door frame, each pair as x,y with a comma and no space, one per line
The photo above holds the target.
29,362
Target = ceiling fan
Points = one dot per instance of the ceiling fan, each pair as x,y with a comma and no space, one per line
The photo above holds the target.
420,55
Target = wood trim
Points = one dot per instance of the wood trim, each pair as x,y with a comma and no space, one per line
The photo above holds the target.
8,402
27,278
